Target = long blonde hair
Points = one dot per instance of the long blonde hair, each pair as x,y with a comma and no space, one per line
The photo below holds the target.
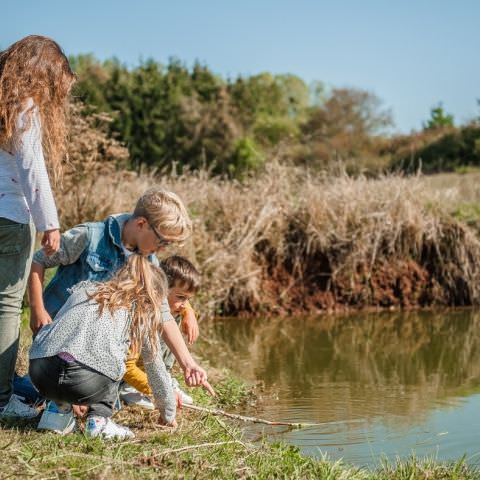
35,67
140,287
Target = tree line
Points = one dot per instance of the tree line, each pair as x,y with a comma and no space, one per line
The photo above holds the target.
192,118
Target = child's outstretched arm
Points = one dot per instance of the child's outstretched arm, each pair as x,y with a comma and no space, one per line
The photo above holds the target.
161,383
194,374
39,317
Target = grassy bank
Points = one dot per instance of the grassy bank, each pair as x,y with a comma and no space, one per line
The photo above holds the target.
203,446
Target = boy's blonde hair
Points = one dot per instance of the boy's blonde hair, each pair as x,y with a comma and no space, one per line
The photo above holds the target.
165,212
139,287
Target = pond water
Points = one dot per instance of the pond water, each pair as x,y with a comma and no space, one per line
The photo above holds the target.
381,385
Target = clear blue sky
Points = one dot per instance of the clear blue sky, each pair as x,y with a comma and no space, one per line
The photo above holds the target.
412,54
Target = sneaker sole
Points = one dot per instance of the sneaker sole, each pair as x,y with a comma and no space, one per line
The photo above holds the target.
109,437
43,425
147,407
66,431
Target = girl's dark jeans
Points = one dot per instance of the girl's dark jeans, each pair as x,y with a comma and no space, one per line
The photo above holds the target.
72,382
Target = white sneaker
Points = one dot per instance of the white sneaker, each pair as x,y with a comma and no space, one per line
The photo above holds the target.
131,396
15,408
105,427
57,419
186,398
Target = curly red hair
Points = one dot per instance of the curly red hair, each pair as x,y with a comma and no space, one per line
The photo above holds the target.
36,67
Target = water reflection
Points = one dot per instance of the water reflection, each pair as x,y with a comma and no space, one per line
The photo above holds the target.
395,379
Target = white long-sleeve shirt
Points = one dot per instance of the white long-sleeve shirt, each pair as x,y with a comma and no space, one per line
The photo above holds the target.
25,191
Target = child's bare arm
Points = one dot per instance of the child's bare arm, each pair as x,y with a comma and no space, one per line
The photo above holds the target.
173,338
194,374
189,324
38,315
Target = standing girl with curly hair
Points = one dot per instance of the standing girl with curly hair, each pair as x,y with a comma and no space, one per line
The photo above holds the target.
35,81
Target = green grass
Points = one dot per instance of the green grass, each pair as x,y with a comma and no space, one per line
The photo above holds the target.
467,169
202,447
469,213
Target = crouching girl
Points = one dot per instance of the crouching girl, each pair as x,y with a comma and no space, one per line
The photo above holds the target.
80,357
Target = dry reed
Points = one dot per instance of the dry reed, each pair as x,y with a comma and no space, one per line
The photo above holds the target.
284,240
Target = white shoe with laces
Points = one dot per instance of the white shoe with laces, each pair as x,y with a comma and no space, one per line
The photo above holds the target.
131,396
15,408
104,427
57,418
186,398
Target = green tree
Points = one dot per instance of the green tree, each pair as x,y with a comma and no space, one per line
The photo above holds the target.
346,125
192,117
438,119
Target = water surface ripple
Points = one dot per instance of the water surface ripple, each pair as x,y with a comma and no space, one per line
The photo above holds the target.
381,385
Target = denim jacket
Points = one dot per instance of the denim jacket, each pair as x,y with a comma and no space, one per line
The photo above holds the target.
101,258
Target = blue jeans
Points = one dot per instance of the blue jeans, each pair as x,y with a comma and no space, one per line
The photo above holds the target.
16,248
23,387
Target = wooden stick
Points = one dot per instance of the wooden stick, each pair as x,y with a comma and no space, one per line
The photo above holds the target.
200,445
243,418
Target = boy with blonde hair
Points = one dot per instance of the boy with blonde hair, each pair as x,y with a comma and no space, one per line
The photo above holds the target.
95,251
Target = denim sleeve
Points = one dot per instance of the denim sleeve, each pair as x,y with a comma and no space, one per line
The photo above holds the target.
160,381
72,243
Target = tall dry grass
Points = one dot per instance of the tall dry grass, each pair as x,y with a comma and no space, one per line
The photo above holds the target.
285,240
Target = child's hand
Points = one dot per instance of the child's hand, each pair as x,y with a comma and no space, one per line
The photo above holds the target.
196,376
190,326
51,241
209,388
38,319
172,424
178,397
80,410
